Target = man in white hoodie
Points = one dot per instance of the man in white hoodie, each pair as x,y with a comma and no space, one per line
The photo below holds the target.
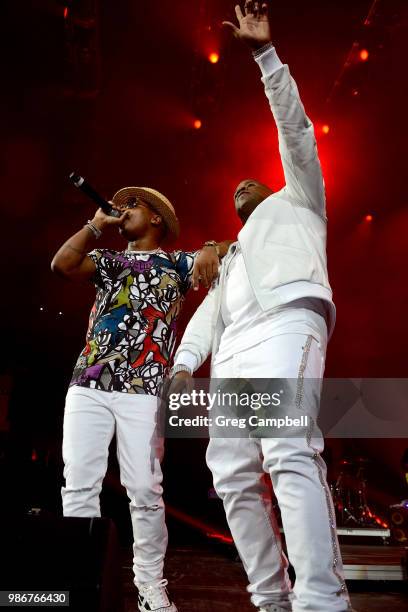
270,316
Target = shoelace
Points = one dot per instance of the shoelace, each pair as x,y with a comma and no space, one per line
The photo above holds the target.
156,594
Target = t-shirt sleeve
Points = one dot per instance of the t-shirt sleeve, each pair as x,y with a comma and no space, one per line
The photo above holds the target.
96,256
184,266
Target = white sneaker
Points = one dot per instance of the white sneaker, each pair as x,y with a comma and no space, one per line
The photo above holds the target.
154,596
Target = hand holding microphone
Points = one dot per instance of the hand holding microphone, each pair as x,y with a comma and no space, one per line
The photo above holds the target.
106,215
102,220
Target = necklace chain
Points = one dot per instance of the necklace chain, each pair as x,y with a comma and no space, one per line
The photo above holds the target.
144,252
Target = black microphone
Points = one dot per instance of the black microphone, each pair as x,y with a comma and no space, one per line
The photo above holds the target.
88,190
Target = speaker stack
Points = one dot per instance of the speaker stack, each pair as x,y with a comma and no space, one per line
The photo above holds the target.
49,553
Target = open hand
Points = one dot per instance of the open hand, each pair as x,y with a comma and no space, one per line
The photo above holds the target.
254,27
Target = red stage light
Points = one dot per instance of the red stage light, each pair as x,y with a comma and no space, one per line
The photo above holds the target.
364,54
198,124
220,537
368,218
213,57
65,12
208,530
326,129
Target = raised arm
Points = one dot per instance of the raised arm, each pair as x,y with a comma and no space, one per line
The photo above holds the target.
297,142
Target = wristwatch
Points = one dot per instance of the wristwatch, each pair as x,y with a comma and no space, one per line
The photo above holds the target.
214,244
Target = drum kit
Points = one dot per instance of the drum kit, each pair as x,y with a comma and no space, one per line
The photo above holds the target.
349,493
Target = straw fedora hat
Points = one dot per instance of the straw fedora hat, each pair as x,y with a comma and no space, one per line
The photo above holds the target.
157,201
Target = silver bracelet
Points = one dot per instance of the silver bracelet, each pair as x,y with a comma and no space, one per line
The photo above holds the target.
95,231
180,368
261,50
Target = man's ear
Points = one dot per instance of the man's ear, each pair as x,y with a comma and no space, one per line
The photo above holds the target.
156,220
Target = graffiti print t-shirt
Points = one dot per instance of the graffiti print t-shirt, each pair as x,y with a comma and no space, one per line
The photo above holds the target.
132,325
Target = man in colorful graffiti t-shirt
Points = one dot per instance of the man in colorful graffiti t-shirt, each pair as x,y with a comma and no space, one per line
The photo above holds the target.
115,384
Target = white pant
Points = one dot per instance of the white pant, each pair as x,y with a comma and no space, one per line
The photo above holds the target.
90,420
298,476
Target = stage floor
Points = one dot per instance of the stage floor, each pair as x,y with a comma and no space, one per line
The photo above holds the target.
210,579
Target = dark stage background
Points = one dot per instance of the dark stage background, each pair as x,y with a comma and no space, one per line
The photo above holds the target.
112,89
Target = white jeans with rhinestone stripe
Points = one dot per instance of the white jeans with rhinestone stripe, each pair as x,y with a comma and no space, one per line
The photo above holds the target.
298,475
